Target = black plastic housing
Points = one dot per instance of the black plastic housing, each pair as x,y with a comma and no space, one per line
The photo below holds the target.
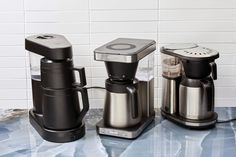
56,114
121,71
51,46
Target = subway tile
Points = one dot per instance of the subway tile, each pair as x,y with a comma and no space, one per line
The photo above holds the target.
123,27
8,94
12,40
101,38
226,70
12,84
78,39
56,16
226,59
220,92
99,72
12,62
193,4
12,17
11,5
57,28
225,81
12,73
197,37
124,15
82,61
197,26
197,14
12,51
81,50
11,28
56,5
98,82
123,4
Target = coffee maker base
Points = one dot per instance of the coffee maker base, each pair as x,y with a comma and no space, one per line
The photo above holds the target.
192,124
57,136
128,133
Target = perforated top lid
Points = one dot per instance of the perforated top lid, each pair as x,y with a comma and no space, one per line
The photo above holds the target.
190,52
125,50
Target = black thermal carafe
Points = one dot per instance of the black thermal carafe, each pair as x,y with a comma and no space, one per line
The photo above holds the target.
56,113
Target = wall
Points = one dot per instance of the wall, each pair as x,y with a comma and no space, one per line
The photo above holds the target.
90,23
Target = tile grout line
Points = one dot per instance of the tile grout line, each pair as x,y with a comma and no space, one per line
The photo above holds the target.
26,80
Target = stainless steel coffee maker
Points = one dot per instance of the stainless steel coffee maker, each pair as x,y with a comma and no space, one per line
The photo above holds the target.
129,101
188,72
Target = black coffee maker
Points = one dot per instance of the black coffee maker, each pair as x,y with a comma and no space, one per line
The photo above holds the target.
56,113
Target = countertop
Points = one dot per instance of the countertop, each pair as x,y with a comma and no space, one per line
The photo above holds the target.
162,138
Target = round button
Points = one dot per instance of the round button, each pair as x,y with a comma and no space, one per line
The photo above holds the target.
121,46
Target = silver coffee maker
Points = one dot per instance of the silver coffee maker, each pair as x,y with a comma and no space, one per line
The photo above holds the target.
188,71
129,100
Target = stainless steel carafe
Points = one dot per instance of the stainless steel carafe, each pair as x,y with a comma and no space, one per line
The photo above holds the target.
122,108
196,99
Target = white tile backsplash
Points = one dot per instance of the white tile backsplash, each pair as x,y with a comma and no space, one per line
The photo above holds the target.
124,27
55,5
12,73
123,4
88,24
56,16
123,15
12,40
199,4
61,28
200,14
11,5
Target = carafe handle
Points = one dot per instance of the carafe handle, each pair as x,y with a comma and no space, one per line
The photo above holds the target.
207,92
133,95
82,76
85,102
84,93
214,70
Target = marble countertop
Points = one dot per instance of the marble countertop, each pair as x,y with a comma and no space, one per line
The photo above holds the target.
161,139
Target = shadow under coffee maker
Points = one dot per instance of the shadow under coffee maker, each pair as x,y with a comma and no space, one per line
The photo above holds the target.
188,93
56,113
129,100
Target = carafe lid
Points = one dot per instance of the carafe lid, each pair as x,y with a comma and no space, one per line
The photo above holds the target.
190,52
125,50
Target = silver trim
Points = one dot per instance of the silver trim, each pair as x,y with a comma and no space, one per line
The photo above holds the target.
124,58
128,133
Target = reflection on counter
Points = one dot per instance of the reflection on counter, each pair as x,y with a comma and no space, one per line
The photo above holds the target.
162,138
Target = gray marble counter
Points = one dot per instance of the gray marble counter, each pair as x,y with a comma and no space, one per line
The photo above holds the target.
162,138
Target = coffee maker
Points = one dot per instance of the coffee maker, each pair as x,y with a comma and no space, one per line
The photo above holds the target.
188,71
129,100
56,113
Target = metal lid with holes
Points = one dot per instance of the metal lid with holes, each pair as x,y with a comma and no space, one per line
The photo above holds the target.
190,52
125,50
